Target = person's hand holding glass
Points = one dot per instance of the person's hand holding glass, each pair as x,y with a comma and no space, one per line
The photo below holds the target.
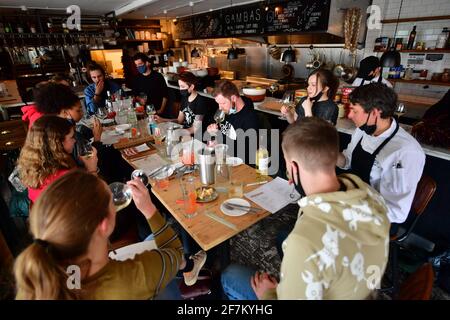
141,197
288,104
88,155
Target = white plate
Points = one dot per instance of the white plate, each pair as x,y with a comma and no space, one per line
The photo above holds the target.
235,212
122,127
234,161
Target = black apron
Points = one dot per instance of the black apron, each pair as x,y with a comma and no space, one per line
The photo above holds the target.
380,80
362,161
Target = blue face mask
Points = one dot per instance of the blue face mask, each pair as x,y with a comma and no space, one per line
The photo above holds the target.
233,108
142,68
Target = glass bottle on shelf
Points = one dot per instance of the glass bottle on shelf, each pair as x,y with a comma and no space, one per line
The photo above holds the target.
412,38
442,39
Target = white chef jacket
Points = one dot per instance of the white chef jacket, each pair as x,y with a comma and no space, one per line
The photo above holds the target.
357,82
396,170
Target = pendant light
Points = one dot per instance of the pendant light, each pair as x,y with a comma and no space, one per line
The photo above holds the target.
289,54
391,57
232,52
194,53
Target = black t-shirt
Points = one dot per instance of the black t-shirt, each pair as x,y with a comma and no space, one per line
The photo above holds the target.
327,110
197,107
245,119
154,86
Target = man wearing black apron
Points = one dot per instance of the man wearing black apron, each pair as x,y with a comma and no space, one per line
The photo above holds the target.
382,153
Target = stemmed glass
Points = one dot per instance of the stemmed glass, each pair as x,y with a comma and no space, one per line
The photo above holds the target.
101,113
400,110
219,117
150,109
142,98
273,88
85,149
121,194
140,174
288,101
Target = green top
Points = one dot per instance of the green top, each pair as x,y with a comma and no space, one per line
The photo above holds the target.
339,246
144,276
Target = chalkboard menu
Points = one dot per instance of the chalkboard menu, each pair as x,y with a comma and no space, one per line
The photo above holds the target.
253,19
297,16
243,20
208,25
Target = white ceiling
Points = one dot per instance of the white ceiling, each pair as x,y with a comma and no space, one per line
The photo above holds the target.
139,8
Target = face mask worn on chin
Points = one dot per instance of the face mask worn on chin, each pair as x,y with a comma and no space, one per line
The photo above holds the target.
184,93
233,108
142,69
298,186
369,129
317,97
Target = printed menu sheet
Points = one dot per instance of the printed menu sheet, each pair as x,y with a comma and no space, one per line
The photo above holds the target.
273,195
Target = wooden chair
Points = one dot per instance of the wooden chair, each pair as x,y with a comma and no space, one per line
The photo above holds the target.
419,285
405,238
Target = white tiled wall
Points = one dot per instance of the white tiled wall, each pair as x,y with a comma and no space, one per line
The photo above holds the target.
427,31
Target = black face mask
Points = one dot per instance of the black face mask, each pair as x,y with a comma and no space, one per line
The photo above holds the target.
369,129
298,186
184,93
317,97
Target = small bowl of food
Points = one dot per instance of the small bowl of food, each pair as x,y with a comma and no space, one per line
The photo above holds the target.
257,94
206,194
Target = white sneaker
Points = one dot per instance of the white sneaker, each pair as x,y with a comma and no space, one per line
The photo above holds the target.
190,278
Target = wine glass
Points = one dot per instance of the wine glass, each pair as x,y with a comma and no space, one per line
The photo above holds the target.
121,194
219,116
273,88
400,110
85,149
142,98
140,174
288,101
101,113
150,109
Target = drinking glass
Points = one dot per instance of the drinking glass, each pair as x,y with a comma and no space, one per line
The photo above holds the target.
150,108
273,88
288,101
187,154
101,113
158,136
219,116
236,189
140,174
85,149
400,110
121,194
142,98
162,179
187,185
221,152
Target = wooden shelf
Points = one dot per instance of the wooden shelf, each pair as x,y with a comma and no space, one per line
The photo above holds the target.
426,82
416,19
421,51
141,27
137,40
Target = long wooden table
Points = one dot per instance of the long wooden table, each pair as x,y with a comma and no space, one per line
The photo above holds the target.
207,232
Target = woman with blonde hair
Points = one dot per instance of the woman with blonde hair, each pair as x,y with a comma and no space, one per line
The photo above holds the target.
69,256
46,154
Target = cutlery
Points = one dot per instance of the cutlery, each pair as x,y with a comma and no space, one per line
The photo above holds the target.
255,183
221,220
231,206
157,171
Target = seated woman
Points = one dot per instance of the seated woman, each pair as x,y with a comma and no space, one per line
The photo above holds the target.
47,268
46,154
322,87
193,106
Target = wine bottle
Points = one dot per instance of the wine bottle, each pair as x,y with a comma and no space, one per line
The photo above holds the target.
412,37
262,158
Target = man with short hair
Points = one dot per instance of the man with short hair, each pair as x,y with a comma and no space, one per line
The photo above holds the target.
338,248
151,83
382,153
96,92
239,115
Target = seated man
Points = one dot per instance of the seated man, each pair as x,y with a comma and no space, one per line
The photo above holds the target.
96,92
380,152
240,116
152,83
338,248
